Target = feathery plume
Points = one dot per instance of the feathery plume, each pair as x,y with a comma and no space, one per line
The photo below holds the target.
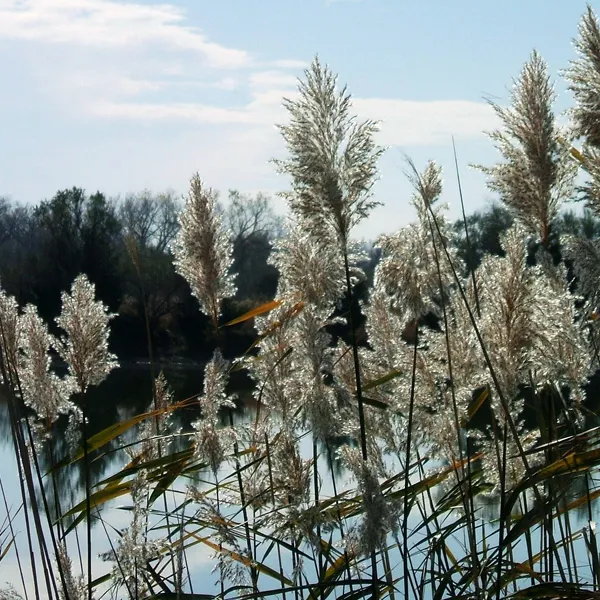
46,393
379,516
310,270
210,439
408,272
10,334
584,79
332,158
536,174
84,347
527,321
76,586
203,250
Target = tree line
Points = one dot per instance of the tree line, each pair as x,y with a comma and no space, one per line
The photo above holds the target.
123,246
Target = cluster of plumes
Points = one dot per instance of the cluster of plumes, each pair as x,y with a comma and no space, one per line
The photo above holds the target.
584,78
524,313
211,440
408,272
379,516
203,250
75,586
301,377
153,432
27,346
540,335
536,173
135,549
413,279
332,158
84,344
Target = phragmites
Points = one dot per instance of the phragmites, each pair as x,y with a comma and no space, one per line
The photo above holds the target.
408,271
9,336
536,173
203,250
75,586
332,158
309,270
42,389
379,516
523,343
85,346
209,438
584,78
585,255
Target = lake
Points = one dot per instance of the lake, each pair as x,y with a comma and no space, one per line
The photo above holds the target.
126,392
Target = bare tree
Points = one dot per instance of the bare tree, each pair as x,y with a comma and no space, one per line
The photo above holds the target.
150,219
254,226
247,215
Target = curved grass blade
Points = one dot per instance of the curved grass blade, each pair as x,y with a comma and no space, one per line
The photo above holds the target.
255,312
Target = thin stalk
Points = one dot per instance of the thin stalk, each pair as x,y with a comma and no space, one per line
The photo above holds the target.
388,573
528,539
272,488
13,535
467,238
221,578
503,515
339,515
359,396
88,506
253,570
411,409
460,479
595,572
316,491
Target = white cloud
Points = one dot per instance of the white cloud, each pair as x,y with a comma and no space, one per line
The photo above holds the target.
289,64
107,23
173,102
412,123
403,122
272,79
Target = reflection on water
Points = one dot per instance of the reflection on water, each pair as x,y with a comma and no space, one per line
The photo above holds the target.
128,391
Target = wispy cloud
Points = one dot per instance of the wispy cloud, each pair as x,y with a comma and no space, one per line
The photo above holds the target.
173,100
103,79
107,23
412,123
403,122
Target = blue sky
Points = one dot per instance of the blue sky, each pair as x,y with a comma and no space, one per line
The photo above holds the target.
119,96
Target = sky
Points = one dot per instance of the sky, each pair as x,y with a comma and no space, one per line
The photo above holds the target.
120,96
